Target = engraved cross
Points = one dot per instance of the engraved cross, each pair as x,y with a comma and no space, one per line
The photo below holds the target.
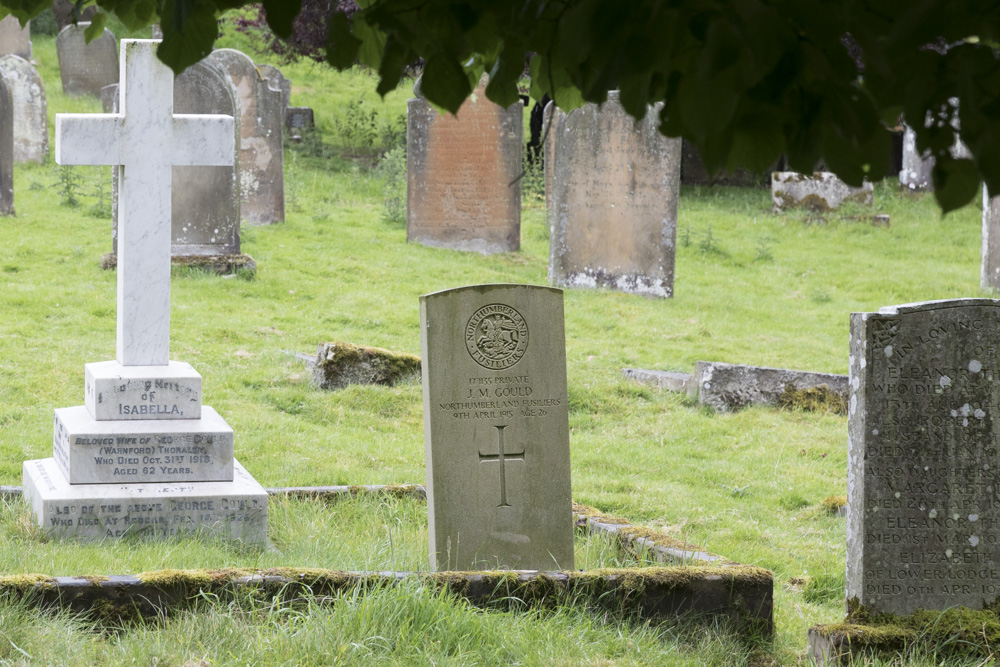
502,457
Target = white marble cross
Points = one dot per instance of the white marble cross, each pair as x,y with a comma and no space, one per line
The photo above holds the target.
144,140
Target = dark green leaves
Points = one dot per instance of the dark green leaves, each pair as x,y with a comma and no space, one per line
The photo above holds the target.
445,83
341,46
189,31
956,182
96,27
281,15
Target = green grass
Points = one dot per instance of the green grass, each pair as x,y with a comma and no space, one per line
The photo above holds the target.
751,287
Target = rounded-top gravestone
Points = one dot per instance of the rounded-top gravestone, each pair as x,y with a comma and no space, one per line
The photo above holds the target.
31,120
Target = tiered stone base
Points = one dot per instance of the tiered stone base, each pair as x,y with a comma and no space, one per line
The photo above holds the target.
234,510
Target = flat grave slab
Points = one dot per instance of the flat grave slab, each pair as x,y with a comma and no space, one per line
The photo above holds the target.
113,452
234,510
727,387
819,192
669,380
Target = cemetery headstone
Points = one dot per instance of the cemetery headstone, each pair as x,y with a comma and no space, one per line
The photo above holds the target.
923,479
205,199
916,171
989,276
31,120
299,120
615,186
262,170
278,81
63,10
14,39
462,185
819,192
109,98
551,119
142,455
86,68
6,150
496,428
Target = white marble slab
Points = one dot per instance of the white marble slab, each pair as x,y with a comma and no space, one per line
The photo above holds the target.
120,393
110,452
234,510
144,141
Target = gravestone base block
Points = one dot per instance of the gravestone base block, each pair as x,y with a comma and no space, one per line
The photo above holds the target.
223,265
234,510
113,452
117,392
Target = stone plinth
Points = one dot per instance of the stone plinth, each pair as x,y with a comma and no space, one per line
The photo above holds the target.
116,392
923,476
819,192
234,510
615,187
496,428
462,175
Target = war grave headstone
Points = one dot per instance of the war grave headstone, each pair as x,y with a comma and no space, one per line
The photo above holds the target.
6,150
262,170
142,454
989,275
496,428
462,185
615,187
820,191
205,199
31,120
86,68
14,39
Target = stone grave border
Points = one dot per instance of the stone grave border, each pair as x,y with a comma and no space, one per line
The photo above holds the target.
691,584
219,264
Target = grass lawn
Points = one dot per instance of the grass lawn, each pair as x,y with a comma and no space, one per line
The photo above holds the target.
751,287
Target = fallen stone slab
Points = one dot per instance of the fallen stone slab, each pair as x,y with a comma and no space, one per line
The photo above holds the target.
341,364
669,380
728,387
819,192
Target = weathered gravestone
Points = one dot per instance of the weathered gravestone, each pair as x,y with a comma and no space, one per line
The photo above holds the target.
205,199
462,185
615,186
142,455
86,68
915,173
496,428
14,39
262,165
278,81
819,192
989,275
6,150
31,120
923,472
551,119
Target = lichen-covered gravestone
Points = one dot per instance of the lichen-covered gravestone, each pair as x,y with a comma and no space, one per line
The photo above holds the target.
462,185
915,174
615,187
496,428
142,455
819,192
84,67
262,163
31,120
989,274
6,150
14,39
923,468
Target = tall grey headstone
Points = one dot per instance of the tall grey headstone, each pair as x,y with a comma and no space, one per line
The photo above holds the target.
31,119
463,189
989,275
205,199
615,187
6,150
278,81
262,170
86,68
14,39
552,117
496,428
142,455
923,475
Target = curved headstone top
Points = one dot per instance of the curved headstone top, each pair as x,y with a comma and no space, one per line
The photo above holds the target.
31,119
86,68
937,304
14,39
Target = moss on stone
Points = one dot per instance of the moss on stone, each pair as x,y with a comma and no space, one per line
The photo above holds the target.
21,583
173,578
341,364
813,399
833,504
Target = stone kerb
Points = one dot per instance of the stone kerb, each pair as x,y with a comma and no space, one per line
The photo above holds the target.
15,40
31,120
615,189
462,185
261,149
86,68
819,192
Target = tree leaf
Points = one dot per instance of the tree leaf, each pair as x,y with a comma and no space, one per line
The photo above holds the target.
341,46
189,31
445,83
956,182
281,15
96,27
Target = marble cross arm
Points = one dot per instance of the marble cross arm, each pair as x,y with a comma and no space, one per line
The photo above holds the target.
203,139
88,138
